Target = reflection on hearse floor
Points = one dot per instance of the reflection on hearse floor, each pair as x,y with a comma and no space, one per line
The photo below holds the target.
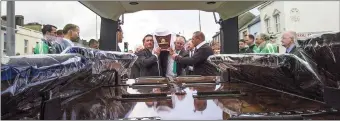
184,100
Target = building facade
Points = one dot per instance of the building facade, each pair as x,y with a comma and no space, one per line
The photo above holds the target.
254,26
25,39
304,17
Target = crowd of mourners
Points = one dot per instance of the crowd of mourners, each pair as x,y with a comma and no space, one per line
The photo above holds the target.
189,57
263,43
56,41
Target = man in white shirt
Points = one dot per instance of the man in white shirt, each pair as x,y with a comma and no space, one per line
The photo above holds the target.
71,35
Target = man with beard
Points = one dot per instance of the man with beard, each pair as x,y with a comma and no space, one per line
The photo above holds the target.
199,59
148,58
71,36
119,37
45,45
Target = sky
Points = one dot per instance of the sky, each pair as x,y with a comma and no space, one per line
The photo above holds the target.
136,25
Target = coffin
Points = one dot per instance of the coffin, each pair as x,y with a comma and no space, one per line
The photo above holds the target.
324,50
305,74
64,86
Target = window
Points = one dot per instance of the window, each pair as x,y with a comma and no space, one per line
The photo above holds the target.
276,15
267,21
26,47
5,43
277,22
245,34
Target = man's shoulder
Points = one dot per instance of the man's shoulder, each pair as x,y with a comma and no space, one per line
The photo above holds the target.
141,52
205,47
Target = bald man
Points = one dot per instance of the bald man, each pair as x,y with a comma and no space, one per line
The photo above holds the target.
288,41
199,59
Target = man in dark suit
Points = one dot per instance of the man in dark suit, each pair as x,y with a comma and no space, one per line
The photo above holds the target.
191,50
249,40
243,48
199,59
71,35
119,37
179,69
288,41
148,58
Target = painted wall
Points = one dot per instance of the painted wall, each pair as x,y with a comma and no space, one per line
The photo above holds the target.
256,28
269,10
313,17
23,34
241,32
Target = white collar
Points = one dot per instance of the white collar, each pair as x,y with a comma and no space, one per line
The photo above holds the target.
200,45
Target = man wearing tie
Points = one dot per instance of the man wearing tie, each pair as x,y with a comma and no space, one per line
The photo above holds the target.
191,50
199,59
288,41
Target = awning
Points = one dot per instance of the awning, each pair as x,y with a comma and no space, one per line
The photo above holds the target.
114,9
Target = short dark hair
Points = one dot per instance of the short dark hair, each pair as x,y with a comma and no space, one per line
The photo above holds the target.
148,35
60,32
200,107
242,40
69,27
119,29
185,40
251,36
92,41
200,35
47,28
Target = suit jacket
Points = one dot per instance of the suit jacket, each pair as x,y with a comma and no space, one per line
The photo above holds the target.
189,68
199,61
60,46
148,63
118,49
294,50
245,50
181,67
252,48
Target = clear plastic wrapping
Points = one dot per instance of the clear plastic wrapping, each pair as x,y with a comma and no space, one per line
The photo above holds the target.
64,86
279,71
122,62
304,73
324,50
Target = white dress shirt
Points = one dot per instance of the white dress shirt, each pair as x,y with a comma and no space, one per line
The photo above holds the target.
200,45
